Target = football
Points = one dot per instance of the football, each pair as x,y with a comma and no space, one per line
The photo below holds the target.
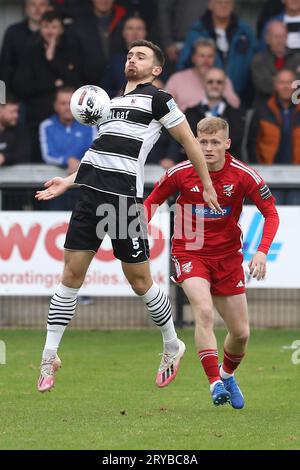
90,105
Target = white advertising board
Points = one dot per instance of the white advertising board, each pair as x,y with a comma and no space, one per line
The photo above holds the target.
283,261
31,256
31,253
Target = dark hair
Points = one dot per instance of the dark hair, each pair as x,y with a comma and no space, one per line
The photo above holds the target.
50,16
64,89
11,99
158,53
204,42
135,16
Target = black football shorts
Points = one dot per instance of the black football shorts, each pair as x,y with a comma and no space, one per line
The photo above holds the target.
97,214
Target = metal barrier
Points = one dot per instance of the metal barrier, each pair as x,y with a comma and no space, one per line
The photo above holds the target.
268,308
26,179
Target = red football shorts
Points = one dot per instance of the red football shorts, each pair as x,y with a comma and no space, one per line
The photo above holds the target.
226,276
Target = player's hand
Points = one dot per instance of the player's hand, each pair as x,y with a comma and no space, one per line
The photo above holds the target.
54,188
210,197
258,265
50,49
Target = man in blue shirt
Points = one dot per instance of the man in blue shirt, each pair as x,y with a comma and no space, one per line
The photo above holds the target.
63,140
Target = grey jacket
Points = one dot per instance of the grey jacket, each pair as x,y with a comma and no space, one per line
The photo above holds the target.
263,70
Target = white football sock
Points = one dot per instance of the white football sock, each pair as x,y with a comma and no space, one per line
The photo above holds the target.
159,307
61,312
211,386
223,374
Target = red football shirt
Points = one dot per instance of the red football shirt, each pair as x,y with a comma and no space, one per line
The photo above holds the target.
221,234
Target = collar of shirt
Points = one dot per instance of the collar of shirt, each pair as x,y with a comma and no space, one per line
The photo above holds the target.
217,110
282,108
140,85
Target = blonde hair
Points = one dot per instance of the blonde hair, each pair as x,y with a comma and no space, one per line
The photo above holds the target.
212,125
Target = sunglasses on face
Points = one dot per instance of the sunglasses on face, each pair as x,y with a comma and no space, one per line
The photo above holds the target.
218,82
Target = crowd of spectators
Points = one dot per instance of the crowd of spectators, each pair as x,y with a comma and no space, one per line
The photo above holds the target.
217,65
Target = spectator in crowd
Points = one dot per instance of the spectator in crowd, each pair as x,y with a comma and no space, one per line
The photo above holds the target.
70,10
187,86
269,9
274,135
48,65
275,57
64,141
145,9
291,17
14,140
235,42
100,36
214,104
175,20
18,37
134,28
140,8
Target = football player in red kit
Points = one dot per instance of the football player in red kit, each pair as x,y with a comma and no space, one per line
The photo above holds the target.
209,268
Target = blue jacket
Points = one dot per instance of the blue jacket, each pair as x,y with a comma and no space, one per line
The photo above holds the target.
241,50
60,142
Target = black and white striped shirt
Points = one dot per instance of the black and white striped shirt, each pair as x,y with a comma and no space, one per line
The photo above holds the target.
115,162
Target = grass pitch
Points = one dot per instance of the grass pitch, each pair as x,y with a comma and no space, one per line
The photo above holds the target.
105,397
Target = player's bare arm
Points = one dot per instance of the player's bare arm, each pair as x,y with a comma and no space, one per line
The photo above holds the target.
56,187
183,134
258,265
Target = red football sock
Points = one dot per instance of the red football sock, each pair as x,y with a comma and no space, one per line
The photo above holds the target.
231,362
209,361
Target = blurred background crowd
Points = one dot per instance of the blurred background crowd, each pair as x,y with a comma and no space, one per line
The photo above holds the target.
220,62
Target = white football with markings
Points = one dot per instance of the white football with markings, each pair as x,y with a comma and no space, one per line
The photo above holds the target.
90,105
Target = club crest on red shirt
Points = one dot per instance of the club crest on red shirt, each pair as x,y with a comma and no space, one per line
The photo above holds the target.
228,189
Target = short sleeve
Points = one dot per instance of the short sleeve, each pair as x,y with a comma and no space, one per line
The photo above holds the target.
165,110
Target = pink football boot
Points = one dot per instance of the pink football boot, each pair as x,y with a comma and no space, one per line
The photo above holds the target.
49,366
169,366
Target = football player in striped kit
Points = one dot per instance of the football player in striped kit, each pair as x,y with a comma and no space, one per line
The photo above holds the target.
209,263
111,174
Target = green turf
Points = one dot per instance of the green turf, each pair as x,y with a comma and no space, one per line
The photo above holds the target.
105,396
